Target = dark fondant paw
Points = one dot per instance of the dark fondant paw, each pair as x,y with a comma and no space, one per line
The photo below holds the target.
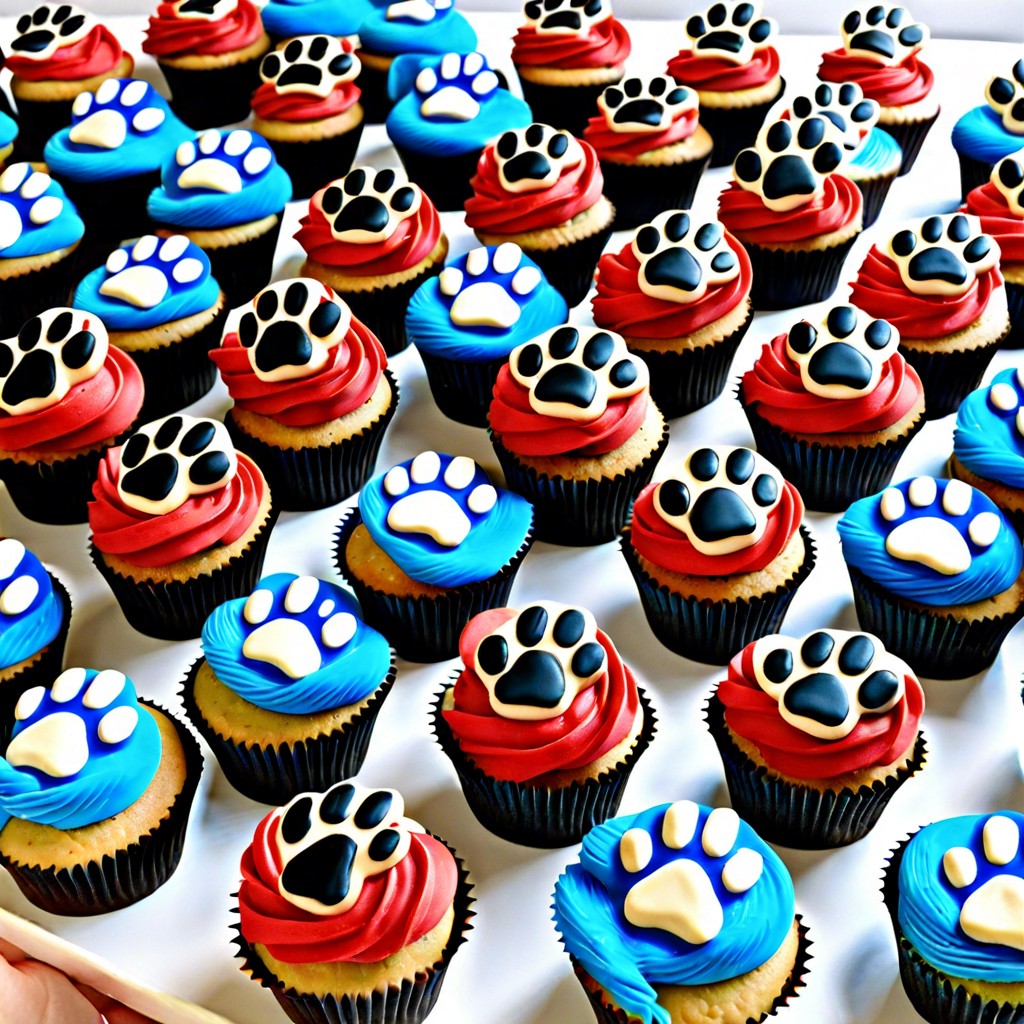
492,288
533,158
222,161
1006,97
119,108
453,90
565,17
1008,177
943,255
367,205
48,28
731,30
309,64
203,10
844,107
882,33
645,104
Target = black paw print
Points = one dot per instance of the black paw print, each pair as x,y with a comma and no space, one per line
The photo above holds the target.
1008,177
733,29
882,33
564,17
1006,97
49,27
212,9
844,106
368,205
533,158
646,104
943,255
309,64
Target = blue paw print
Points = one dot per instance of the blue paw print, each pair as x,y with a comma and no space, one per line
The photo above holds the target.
417,11
144,271
452,89
24,584
222,161
1005,398
489,286
120,108
29,199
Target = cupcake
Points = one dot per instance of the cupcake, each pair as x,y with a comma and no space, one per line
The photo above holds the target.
565,55
286,19
288,687
311,390
937,282
59,51
162,307
576,432
432,543
66,396
543,724
880,53
936,574
541,189
374,238
225,190
307,108
95,790
350,911
210,54
446,109
816,735
180,524
731,63
796,218
717,552
834,405
679,294
645,947
466,321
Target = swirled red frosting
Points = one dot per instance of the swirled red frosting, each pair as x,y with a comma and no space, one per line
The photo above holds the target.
91,412
907,82
713,74
747,217
606,45
202,522
394,909
491,208
989,205
622,307
774,390
270,105
598,719
876,740
879,291
170,35
620,146
666,546
96,54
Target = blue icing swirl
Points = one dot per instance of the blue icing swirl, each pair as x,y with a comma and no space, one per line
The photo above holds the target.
879,153
431,327
986,440
430,494
981,135
321,675
220,179
31,612
626,960
8,130
36,216
99,777
929,904
124,128
991,568
285,18
447,30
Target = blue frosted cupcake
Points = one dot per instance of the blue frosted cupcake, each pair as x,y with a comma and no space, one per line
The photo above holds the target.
285,19
467,321
936,574
8,135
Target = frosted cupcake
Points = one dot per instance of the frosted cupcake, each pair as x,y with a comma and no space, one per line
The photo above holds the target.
286,19
8,137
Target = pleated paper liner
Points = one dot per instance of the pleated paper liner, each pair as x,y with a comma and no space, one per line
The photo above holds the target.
97,887
640,192
568,107
949,377
313,163
302,479
1015,302
784,278
462,390
873,192
373,90
212,97
243,268
734,128
713,631
570,268
801,817
408,1003
425,629
445,179
910,135
42,288
273,775
934,644
37,121
973,173
541,816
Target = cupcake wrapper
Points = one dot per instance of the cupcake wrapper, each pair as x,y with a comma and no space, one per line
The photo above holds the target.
639,193
786,278
302,479
735,128
1015,302
570,268
445,179
949,377
273,775
973,173
713,631
408,1003
37,121
373,94
935,645
24,296
425,629
539,816
578,513
212,97
568,107
462,390
97,887
873,193
244,269
314,163
910,135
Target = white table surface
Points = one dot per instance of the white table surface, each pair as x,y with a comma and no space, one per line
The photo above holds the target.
513,970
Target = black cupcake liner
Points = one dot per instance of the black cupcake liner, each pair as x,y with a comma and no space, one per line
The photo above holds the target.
462,390
568,107
570,268
640,192
425,629
445,179
244,268
408,1003
314,163
302,479
949,377
713,631
910,135
540,816
273,775
934,644
1015,302
735,128
578,513
212,97
784,278
37,121
113,882
26,295
873,193
973,173
373,93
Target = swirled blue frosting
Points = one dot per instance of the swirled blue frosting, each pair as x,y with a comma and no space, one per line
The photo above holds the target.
981,135
987,440
929,904
447,30
31,612
285,18
36,216
307,670
879,153
220,178
433,329
111,774
8,130
444,501
991,568
626,960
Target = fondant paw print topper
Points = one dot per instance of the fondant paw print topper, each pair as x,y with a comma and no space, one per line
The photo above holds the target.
420,12
882,33
221,161
848,115
24,584
310,65
731,30
1008,178
203,10
646,105
565,17
455,88
368,205
29,199
144,272
942,255
533,158
489,286
1006,400
1005,95
121,108
49,28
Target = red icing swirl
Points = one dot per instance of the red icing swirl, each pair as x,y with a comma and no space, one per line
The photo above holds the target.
876,740
95,410
910,81
622,307
170,35
606,45
270,105
394,909
600,717
612,145
714,74
989,205
96,54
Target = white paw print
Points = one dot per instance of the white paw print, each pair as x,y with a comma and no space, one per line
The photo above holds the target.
367,205
943,255
1005,400
222,161
1006,97
882,33
422,11
26,201
533,158
1008,178
731,30
21,577
49,28
119,107
455,87
491,289
142,272
645,104
565,17
844,107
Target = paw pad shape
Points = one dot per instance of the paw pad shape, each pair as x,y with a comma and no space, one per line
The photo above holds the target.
679,261
291,327
1008,178
207,10
1007,400
565,17
645,105
722,499
52,353
170,460
882,33
491,286
23,580
731,30
142,273
453,90
1006,97
49,27
421,11
118,108
533,158
844,107
574,372
367,205
536,662
943,255
309,65
222,161
27,200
